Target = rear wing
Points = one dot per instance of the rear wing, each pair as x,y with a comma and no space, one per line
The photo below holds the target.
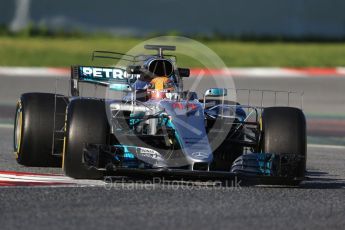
99,76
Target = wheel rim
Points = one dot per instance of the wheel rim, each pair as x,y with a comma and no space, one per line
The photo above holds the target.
18,129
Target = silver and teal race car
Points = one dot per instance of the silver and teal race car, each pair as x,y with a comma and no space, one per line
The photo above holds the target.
153,127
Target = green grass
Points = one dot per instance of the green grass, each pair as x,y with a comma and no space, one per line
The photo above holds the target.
17,51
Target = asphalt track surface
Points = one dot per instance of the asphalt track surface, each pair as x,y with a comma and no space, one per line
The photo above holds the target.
317,204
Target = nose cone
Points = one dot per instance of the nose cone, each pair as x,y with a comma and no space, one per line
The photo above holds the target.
187,118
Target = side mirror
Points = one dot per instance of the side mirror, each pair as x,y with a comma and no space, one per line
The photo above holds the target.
216,92
120,87
183,72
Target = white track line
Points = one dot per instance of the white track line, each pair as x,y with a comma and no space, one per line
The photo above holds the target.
33,72
262,72
58,179
10,126
327,146
6,126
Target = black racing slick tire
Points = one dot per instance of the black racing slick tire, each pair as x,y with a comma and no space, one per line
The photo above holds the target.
86,122
284,132
34,128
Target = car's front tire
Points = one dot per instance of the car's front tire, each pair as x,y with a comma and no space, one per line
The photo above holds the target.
284,132
86,122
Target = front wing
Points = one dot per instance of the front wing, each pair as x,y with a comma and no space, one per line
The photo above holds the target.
249,169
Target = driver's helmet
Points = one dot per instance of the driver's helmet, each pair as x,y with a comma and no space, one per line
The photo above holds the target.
162,83
160,86
161,70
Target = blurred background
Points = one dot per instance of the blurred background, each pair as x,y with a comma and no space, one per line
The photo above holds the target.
295,33
246,19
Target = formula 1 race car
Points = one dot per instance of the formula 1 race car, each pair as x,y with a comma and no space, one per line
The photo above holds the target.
156,128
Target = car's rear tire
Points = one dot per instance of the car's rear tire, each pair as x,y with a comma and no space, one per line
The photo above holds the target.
284,131
34,127
86,122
